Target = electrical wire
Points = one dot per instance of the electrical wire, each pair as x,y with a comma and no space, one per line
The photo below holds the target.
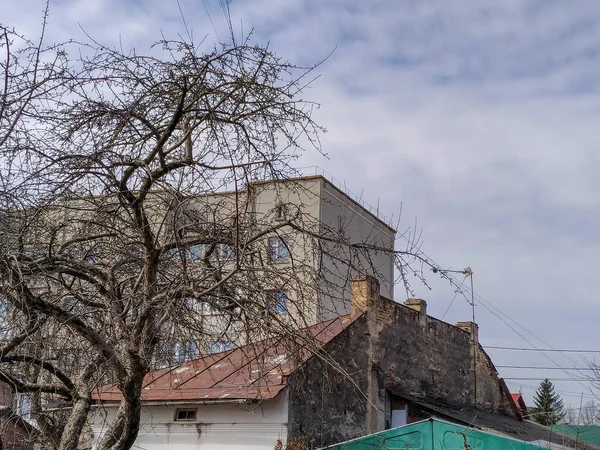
485,304
538,378
456,292
497,313
546,368
562,392
490,307
541,349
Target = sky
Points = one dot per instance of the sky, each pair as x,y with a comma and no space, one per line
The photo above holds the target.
474,118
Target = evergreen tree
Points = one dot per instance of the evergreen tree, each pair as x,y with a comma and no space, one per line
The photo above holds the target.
549,408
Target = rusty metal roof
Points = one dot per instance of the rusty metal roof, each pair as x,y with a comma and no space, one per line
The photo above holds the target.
251,372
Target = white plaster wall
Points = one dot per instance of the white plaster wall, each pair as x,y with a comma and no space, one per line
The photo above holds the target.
322,204
218,426
303,194
314,295
360,227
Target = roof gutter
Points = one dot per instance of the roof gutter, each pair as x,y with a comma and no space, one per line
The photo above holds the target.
236,401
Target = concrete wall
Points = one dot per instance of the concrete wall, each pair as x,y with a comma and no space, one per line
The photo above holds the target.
343,216
322,208
218,426
300,200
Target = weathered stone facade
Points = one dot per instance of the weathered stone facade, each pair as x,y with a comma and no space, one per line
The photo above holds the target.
392,350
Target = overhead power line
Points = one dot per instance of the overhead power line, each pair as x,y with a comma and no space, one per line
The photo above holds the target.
527,349
498,314
562,392
456,292
547,368
553,379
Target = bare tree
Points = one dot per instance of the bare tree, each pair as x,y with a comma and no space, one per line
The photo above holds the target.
115,232
584,416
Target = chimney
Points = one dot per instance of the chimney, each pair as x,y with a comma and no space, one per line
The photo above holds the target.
469,327
365,290
365,293
420,306
417,304
473,330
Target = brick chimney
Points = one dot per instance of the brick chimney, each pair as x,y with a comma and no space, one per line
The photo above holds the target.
417,304
420,306
470,328
365,290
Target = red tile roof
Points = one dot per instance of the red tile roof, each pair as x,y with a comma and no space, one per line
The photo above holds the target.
257,371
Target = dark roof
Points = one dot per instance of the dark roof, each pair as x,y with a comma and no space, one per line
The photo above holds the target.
523,430
252,372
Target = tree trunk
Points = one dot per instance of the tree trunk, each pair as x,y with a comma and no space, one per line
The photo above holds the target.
124,428
74,426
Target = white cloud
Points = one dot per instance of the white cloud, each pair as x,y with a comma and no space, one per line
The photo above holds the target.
481,117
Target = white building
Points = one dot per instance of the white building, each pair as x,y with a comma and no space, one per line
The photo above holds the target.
232,400
339,238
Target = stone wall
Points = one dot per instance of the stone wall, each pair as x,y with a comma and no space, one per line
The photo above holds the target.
393,349
327,405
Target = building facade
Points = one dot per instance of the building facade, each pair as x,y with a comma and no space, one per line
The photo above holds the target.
384,365
301,240
316,237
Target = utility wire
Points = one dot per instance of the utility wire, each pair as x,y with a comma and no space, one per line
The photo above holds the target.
456,292
492,309
542,349
547,368
485,303
489,306
562,392
554,379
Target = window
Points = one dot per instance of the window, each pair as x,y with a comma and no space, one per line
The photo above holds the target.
195,252
207,308
5,324
190,349
3,309
185,351
33,251
281,212
226,251
23,405
93,256
220,346
278,249
398,411
277,302
192,304
179,353
174,253
213,305
192,253
185,415
162,357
